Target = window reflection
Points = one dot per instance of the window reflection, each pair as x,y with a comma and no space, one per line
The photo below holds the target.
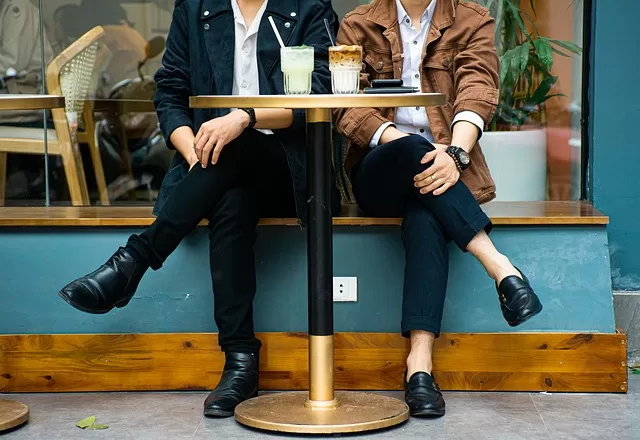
122,155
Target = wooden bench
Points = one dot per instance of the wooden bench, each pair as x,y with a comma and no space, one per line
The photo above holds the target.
501,213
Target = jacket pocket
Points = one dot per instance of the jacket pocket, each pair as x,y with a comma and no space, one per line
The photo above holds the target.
438,69
379,65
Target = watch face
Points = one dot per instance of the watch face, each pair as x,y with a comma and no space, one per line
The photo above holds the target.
464,157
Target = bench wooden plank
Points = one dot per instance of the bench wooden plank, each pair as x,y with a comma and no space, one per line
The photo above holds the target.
501,213
555,362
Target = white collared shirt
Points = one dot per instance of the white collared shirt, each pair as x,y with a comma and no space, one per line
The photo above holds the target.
246,80
414,120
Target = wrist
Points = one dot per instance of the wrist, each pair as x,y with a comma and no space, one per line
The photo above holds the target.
244,118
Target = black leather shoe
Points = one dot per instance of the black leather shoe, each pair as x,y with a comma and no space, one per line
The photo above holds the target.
518,301
423,396
239,382
112,285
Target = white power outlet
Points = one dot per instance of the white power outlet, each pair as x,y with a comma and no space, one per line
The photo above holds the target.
345,289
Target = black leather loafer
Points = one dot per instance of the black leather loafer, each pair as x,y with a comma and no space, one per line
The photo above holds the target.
423,396
112,285
518,301
239,382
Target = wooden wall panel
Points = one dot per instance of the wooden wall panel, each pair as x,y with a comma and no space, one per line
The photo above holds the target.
554,362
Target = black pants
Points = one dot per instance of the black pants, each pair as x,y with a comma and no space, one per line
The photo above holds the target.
252,179
383,185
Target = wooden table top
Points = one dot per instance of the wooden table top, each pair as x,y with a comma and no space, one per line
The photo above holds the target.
320,101
30,102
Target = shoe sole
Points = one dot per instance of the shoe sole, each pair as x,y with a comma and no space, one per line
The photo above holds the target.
91,311
428,413
526,317
218,413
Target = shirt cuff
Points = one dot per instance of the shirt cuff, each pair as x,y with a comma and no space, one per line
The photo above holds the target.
375,140
471,117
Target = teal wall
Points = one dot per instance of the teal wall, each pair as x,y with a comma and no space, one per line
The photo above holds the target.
568,267
615,155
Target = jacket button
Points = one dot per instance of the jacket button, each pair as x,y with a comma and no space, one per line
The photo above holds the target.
206,13
380,64
446,63
206,27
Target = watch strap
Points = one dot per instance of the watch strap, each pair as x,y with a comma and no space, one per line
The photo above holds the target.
252,116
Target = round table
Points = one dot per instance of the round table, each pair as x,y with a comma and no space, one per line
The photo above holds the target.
30,102
321,410
14,413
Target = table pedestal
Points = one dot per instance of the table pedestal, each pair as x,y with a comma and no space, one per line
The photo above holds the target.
321,411
12,414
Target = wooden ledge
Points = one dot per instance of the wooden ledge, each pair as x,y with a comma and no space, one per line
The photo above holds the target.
501,213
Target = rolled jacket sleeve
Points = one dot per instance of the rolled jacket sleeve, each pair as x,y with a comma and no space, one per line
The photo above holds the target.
173,79
476,73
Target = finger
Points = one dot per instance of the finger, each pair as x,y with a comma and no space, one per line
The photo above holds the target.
217,151
442,189
428,180
202,132
431,155
200,146
206,152
433,170
433,186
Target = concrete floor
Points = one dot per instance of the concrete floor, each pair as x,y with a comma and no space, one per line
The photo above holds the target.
177,416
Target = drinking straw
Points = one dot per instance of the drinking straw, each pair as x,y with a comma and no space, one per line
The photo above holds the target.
326,25
275,31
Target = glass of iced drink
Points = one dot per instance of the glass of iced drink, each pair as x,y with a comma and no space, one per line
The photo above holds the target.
297,66
345,63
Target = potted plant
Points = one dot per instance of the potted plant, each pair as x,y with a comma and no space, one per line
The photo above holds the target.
517,156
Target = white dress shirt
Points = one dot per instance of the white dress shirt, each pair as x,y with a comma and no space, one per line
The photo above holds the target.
414,120
246,80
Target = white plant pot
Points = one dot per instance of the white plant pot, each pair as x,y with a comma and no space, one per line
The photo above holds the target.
518,163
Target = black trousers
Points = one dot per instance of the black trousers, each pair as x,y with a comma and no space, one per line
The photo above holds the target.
251,180
383,185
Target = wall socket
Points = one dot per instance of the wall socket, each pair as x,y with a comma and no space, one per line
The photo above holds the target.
345,289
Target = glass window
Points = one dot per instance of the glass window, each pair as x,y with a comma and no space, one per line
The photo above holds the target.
116,155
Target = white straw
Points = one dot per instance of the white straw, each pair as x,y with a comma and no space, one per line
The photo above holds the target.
275,31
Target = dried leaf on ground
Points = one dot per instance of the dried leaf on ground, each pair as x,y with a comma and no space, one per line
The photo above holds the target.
97,426
84,423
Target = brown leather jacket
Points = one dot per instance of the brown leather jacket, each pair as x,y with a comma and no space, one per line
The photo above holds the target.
459,60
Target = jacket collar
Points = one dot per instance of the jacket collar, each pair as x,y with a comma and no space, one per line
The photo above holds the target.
385,13
219,37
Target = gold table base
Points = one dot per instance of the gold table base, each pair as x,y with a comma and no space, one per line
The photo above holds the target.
288,412
12,414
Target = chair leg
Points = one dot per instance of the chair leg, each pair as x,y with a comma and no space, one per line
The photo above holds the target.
3,177
74,173
96,158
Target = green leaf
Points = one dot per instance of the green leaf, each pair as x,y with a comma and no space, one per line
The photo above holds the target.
97,426
524,55
636,372
515,12
545,54
559,52
84,423
571,47
540,95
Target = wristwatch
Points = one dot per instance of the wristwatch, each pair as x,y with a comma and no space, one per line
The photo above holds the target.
252,116
460,157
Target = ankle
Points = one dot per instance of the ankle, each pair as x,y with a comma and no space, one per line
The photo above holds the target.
501,268
418,364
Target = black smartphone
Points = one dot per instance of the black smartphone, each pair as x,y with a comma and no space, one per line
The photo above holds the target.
387,83
384,90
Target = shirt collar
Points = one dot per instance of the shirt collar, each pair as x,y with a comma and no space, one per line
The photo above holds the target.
427,15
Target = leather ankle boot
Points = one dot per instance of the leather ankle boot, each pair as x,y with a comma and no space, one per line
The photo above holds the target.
239,382
518,301
112,285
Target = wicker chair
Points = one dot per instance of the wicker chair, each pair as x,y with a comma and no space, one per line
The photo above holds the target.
70,75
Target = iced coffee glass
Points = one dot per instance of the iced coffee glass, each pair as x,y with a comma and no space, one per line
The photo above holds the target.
345,63
297,66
